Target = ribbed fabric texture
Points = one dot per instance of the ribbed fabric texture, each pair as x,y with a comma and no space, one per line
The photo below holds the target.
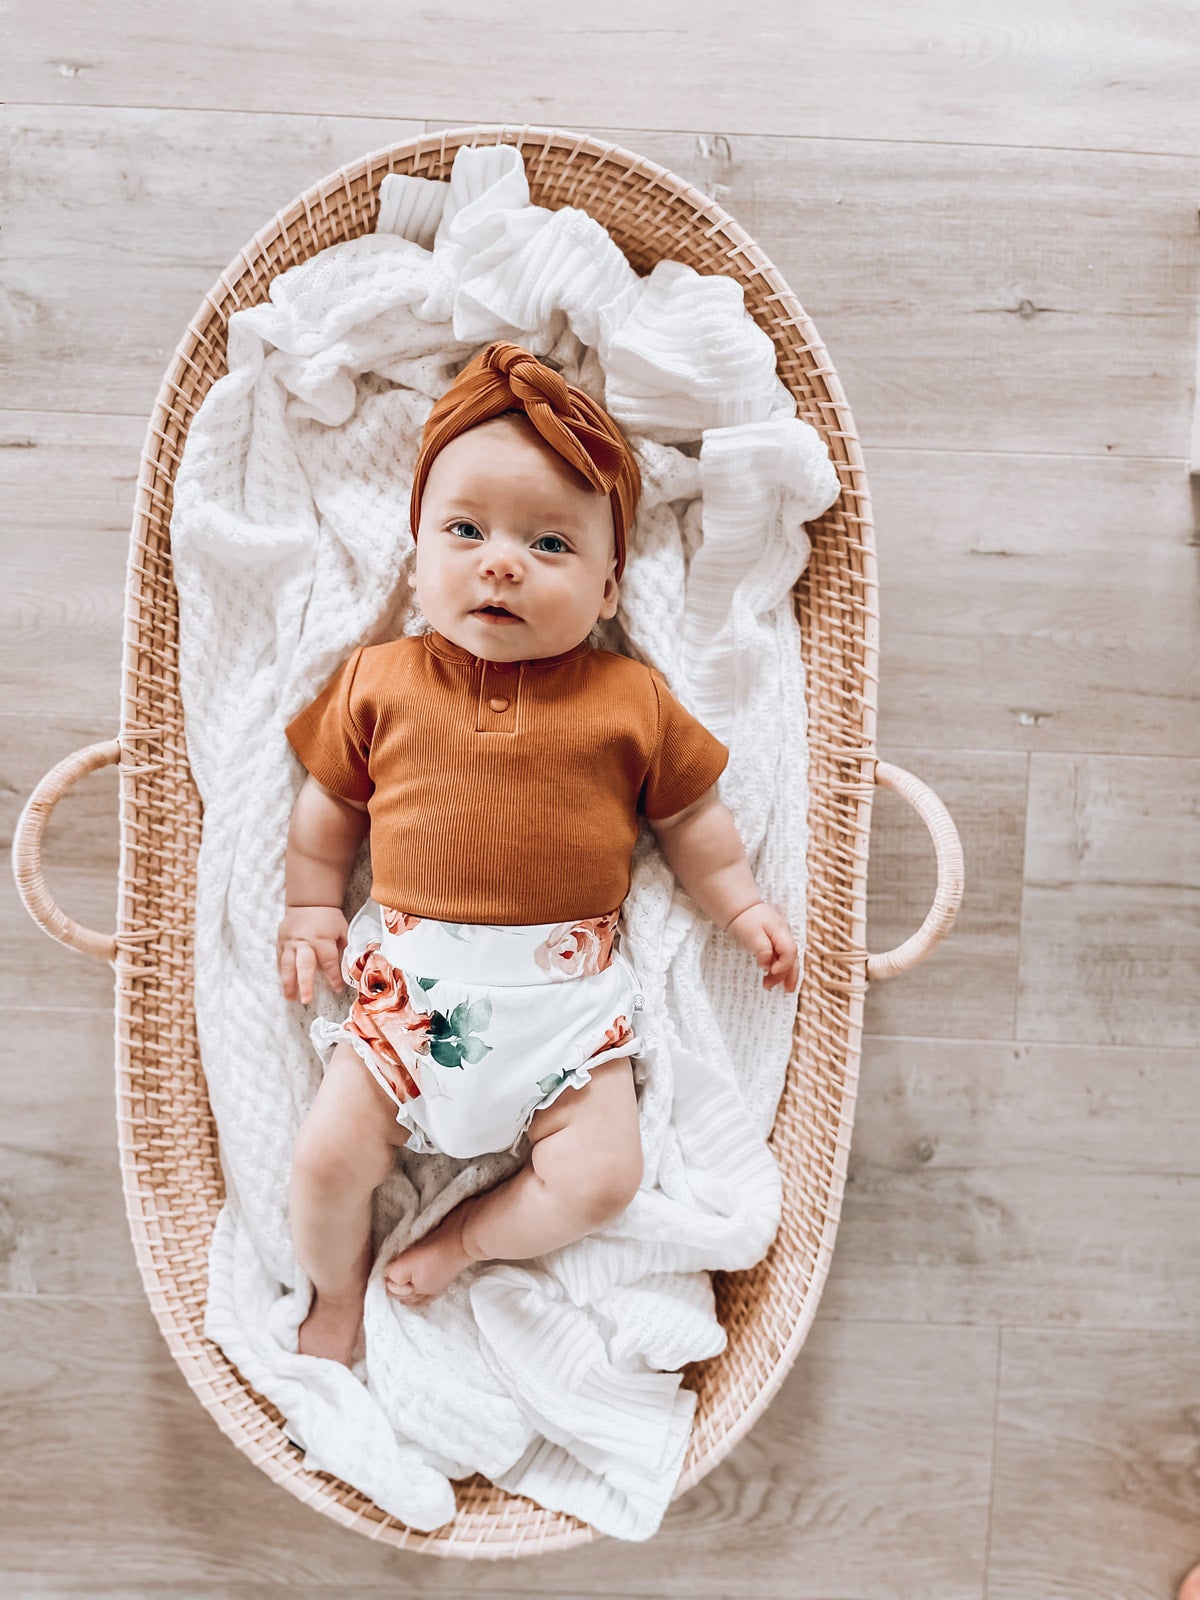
503,793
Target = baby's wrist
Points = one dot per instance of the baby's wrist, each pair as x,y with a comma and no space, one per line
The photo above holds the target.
302,918
726,927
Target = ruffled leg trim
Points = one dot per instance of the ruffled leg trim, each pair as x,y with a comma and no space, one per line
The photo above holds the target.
326,1035
576,1078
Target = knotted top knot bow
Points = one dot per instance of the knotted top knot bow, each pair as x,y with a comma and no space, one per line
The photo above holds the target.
505,377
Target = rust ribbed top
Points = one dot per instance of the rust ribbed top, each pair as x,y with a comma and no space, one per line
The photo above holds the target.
503,792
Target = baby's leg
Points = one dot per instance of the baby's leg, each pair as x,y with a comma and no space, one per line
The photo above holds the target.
585,1166
344,1150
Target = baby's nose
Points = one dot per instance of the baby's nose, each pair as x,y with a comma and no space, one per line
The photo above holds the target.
502,556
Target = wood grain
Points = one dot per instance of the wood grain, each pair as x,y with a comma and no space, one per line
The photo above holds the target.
1111,926
69,485
1055,1186
1095,1465
1037,603
982,323
1032,74
139,211
62,1212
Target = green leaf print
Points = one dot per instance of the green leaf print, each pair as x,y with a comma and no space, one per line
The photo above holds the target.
445,1053
470,1015
427,983
455,1039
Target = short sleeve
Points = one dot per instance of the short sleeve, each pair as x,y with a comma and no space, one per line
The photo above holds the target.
330,738
687,759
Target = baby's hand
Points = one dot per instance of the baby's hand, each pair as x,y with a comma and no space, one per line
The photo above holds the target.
765,933
310,937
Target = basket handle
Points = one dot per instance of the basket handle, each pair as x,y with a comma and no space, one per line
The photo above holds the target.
27,850
948,850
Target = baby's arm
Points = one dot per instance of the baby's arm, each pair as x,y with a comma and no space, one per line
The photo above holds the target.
704,850
323,840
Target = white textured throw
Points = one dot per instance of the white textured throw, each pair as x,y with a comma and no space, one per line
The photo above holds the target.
554,1377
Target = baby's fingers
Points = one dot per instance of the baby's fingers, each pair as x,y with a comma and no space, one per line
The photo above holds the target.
784,964
306,970
331,963
287,971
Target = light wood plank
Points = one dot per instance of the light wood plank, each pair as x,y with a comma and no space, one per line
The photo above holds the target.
63,1228
1110,931
874,1459
117,224
69,483
983,323
967,987
1095,1466
1034,73
1037,603
1043,1184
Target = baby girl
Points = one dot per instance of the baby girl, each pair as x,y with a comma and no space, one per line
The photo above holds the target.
502,765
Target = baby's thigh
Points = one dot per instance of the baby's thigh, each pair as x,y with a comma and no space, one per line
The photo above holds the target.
593,1127
352,1105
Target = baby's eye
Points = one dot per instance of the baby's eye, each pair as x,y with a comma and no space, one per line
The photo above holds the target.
456,525
562,543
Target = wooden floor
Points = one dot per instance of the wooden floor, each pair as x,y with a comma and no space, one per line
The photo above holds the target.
991,214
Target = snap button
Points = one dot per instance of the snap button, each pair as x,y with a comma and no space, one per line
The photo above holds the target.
498,702
501,666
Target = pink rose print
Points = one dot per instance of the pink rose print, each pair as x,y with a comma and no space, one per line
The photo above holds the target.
577,949
618,1032
398,921
383,1016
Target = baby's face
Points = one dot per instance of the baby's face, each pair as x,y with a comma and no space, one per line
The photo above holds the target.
505,520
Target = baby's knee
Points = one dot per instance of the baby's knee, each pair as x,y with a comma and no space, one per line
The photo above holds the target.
341,1146
606,1182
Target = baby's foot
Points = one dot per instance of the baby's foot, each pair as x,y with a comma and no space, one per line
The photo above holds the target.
332,1329
422,1271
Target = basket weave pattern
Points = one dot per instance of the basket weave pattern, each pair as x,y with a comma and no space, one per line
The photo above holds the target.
168,1143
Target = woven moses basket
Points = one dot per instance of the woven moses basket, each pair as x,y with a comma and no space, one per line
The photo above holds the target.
168,1142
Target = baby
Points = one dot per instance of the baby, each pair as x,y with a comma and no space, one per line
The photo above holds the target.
502,765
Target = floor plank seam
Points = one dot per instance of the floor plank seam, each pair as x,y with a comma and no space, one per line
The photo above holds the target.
987,1539
1016,1010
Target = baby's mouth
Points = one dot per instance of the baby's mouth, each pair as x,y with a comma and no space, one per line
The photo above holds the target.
495,611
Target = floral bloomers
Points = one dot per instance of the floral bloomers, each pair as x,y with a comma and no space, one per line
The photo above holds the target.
471,1028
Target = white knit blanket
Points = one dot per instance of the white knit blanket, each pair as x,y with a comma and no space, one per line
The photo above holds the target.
556,1377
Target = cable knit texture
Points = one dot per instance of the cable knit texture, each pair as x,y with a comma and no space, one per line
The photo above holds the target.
556,1378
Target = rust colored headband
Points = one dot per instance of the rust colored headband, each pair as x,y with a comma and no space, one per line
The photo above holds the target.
503,377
